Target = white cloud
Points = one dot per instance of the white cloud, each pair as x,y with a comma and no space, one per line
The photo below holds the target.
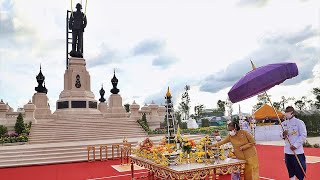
203,37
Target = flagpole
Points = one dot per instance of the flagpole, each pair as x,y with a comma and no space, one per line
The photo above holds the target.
85,10
71,9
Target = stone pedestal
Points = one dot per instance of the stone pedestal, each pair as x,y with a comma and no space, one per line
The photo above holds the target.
3,109
154,116
134,109
103,107
40,100
115,108
77,95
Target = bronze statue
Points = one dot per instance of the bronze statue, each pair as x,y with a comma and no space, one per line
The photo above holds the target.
114,82
77,23
40,79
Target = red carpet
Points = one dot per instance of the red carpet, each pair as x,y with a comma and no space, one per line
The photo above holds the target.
271,161
271,166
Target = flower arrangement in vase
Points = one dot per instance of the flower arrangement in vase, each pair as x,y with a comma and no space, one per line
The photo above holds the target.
188,144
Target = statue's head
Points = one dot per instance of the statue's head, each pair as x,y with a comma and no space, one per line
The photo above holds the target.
79,6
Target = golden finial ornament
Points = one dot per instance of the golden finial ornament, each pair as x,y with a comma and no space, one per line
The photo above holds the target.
168,94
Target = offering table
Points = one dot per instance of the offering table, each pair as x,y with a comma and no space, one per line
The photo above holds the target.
192,171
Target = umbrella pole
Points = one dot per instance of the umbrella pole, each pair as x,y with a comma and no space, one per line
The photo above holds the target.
295,154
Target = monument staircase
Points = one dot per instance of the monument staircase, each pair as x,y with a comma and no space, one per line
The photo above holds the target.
53,153
84,128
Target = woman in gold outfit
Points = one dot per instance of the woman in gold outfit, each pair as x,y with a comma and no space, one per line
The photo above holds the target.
244,148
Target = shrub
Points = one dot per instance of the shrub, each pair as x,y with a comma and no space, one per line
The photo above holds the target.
205,122
316,145
312,123
30,124
184,125
143,123
3,130
307,144
19,126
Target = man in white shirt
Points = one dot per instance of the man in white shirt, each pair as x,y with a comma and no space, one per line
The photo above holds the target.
294,130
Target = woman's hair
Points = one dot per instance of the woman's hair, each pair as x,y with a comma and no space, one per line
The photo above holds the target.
235,125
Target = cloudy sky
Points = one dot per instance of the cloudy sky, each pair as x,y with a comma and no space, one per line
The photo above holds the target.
206,44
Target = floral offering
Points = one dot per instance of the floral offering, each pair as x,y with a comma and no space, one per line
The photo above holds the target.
188,144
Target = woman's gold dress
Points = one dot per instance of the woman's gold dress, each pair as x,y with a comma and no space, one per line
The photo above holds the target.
249,153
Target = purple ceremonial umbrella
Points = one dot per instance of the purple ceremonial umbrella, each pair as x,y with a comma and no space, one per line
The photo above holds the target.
261,79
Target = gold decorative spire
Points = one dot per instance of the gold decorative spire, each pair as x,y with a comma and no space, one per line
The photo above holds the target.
253,66
168,94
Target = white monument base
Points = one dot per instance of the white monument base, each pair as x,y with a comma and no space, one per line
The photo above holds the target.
115,106
192,123
40,100
268,133
103,107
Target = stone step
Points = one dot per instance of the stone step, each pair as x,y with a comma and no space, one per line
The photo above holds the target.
94,120
78,131
56,153
86,123
80,115
52,147
79,137
84,127
72,139
49,154
94,131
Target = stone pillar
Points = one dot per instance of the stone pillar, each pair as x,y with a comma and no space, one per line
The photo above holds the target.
134,109
116,108
40,100
162,111
3,110
29,110
103,107
154,116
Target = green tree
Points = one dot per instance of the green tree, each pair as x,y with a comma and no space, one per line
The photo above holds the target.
19,126
302,103
185,103
316,92
127,107
184,125
262,99
258,105
177,116
285,101
299,104
3,130
221,105
277,105
198,111
143,122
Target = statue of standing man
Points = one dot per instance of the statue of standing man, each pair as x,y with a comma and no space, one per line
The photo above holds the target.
77,23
